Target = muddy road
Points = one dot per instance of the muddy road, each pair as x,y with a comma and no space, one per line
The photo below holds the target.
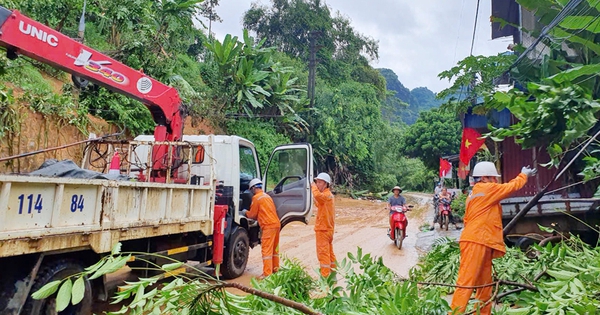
358,223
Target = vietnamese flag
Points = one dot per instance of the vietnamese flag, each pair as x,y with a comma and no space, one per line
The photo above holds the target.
471,142
463,170
445,168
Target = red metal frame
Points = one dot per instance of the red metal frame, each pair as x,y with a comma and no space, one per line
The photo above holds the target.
22,35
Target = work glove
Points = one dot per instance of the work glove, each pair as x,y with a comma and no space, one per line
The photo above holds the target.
244,212
528,171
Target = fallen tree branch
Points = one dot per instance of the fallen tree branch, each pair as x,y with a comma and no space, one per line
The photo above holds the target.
517,290
271,297
458,286
492,298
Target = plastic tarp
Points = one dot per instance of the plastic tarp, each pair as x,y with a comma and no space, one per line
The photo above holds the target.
67,168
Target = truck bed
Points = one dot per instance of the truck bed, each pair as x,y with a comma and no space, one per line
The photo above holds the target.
40,214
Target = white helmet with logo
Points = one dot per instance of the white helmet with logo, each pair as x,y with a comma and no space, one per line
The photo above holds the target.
254,182
325,177
485,169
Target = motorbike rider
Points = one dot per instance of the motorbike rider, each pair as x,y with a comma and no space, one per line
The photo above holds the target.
447,197
438,189
396,199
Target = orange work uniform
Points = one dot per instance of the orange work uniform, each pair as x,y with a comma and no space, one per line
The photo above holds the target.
324,226
482,240
263,210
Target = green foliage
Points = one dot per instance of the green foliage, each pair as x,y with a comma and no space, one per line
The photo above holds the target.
555,98
471,78
459,206
440,265
346,121
119,110
370,287
9,114
435,134
571,282
249,81
559,116
289,25
263,134
38,93
568,285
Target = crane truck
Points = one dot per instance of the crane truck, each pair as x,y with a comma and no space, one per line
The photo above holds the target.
182,195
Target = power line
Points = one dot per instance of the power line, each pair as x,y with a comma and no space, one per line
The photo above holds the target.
462,9
474,28
546,30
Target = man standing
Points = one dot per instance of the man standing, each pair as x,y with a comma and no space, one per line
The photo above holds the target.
324,223
263,210
482,238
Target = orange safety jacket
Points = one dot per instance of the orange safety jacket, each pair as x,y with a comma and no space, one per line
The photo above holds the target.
263,210
326,213
483,215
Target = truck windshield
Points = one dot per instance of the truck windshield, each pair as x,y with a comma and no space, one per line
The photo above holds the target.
248,169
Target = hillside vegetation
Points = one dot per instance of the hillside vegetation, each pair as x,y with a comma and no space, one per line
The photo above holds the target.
254,86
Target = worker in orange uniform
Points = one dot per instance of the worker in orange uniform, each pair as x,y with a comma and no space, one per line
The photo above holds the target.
481,240
324,223
263,210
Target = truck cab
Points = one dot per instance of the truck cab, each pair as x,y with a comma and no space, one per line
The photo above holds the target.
234,162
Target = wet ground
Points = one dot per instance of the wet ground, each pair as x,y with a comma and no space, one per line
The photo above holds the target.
359,223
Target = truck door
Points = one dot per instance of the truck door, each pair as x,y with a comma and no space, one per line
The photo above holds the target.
287,180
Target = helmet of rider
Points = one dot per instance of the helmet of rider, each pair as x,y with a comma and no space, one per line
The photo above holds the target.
485,169
324,177
255,182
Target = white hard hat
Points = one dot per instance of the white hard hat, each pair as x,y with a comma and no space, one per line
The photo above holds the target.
485,169
254,182
325,177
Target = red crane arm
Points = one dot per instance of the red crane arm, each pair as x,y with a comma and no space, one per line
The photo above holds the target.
22,35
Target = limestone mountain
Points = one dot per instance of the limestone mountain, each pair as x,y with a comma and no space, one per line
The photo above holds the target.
402,104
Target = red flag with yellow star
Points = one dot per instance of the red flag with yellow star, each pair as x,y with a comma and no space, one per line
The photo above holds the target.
445,169
463,170
471,142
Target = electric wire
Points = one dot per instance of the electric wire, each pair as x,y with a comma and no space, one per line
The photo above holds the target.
474,28
566,11
462,9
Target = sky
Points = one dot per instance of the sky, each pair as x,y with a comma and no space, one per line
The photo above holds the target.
417,39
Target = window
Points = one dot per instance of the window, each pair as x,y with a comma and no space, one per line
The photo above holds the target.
248,169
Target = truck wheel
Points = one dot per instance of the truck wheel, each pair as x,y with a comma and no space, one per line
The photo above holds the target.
236,254
56,270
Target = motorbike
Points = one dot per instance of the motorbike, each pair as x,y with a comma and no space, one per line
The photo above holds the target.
398,224
444,209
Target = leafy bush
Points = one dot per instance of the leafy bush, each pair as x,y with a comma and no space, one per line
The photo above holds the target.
459,205
567,275
262,133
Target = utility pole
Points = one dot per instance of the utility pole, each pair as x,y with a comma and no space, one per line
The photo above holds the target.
312,66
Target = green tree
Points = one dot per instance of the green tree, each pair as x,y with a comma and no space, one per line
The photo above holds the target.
292,25
436,133
472,77
247,80
344,122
